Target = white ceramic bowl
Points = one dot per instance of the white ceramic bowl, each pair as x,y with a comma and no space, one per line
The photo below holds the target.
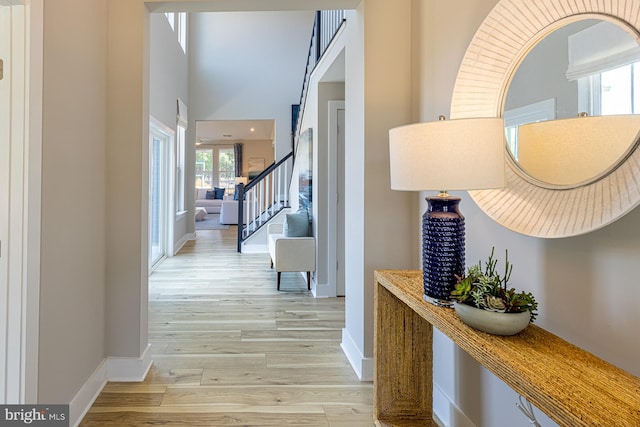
492,322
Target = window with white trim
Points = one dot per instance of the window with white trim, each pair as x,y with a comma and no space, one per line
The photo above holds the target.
180,164
605,61
171,17
536,112
178,23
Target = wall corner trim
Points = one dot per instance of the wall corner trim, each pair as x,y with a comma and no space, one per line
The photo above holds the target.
363,366
129,369
121,369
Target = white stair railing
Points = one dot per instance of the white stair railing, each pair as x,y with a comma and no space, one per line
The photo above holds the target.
263,197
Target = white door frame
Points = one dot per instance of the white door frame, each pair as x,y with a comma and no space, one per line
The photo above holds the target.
20,204
336,151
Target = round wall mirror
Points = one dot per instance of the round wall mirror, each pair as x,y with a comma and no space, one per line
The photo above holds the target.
487,85
574,77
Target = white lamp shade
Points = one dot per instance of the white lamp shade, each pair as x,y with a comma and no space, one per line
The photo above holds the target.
573,151
462,154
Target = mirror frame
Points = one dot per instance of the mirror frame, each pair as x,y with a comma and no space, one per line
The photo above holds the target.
505,37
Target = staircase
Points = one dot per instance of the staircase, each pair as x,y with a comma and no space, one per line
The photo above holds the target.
263,197
268,193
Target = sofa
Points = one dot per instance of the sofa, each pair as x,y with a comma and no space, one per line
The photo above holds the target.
229,212
211,205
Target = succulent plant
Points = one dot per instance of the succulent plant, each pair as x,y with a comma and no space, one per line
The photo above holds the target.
485,288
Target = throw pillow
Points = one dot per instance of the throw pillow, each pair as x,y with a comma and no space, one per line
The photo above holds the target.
219,193
296,225
210,195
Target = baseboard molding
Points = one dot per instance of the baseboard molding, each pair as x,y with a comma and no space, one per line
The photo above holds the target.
363,366
120,369
129,369
89,392
446,412
183,241
321,290
255,249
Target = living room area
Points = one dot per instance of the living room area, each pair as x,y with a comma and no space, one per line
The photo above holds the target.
228,153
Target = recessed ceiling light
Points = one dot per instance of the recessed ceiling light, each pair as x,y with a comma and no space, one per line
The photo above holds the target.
252,129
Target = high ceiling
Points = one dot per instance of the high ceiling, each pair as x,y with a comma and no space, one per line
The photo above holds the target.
227,131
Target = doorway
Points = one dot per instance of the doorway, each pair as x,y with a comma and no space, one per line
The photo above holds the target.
336,187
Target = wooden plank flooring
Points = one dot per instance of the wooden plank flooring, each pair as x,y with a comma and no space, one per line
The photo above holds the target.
230,350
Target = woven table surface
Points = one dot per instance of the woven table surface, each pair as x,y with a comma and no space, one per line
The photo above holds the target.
572,386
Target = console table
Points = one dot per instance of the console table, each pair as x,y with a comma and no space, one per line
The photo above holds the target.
572,386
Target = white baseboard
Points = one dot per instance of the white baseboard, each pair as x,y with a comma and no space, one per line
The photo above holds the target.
129,369
363,366
89,392
321,290
120,369
255,249
446,412
183,241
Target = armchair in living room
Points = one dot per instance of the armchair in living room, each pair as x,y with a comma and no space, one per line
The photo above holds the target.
291,253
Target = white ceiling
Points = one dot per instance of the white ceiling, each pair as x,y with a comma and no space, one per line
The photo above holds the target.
225,131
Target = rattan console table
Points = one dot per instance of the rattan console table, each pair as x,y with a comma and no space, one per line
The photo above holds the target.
572,386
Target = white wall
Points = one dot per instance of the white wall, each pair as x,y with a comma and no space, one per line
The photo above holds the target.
585,285
168,81
72,288
249,65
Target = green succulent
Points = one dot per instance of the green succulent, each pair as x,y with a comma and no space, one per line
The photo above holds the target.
485,288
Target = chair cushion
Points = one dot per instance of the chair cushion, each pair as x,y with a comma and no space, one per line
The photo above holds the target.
296,225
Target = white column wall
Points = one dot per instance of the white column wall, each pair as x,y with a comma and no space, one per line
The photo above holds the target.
378,97
73,235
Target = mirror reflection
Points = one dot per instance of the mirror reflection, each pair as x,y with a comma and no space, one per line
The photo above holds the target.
589,68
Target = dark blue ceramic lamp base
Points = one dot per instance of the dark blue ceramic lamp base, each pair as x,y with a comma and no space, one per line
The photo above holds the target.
442,248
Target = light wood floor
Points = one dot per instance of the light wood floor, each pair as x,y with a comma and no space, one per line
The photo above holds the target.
230,350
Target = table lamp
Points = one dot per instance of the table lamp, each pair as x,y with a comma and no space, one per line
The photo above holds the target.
462,154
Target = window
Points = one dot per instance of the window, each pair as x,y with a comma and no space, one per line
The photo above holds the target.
171,17
160,229
182,31
179,182
611,92
215,167
178,23
226,169
204,168
605,61
536,112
